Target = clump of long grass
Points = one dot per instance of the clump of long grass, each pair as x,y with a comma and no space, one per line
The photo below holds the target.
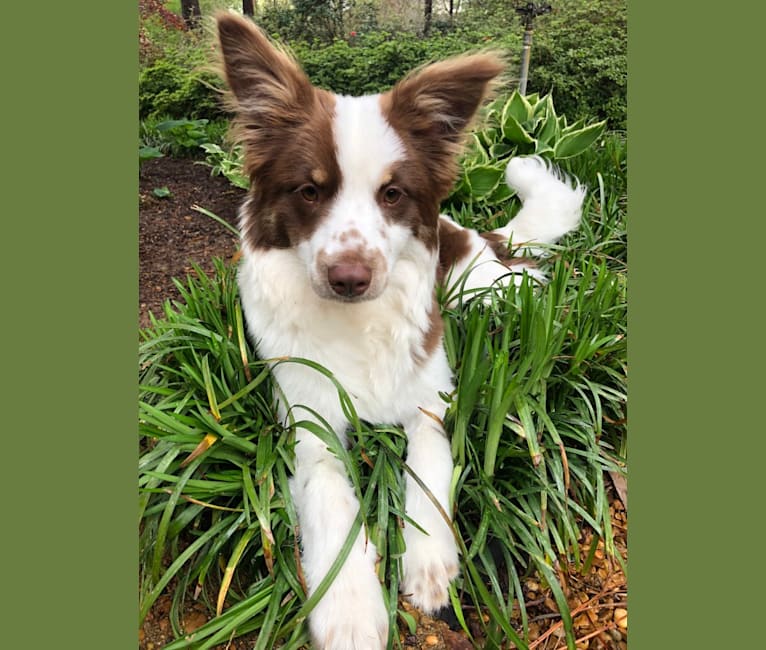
535,421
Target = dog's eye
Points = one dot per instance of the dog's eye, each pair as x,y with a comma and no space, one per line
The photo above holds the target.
391,195
309,192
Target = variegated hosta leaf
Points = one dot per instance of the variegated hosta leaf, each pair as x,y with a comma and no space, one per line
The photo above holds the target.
517,125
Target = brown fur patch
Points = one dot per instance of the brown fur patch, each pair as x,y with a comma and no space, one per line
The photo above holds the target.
418,207
499,246
278,166
454,245
357,255
433,337
348,235
430,110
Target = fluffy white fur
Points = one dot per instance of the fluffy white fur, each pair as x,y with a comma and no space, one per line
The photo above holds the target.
367,347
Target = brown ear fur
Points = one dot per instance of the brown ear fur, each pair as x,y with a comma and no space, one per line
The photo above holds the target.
434,106
269,94
266,82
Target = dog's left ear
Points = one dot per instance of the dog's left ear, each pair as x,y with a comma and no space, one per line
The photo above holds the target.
434,106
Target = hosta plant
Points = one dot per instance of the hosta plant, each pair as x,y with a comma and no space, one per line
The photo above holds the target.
516,125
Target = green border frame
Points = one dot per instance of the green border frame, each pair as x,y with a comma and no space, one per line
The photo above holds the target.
695,354
70,303
70,312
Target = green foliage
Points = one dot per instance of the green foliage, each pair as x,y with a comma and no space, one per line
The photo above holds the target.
517,125
184,134
148,153
323,20
158,27
177,137
320,18
541,388
180,87
373,62
227,163
579,53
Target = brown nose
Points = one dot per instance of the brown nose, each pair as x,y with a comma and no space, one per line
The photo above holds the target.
349,280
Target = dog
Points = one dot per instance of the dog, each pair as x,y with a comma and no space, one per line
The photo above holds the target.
342,248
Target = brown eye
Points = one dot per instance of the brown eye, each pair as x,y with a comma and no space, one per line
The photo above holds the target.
309,193
391,195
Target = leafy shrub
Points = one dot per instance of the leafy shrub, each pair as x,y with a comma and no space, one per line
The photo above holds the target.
324,20
227,163
517,125
579,53
578,56
178,137
157,24
179,87
372,62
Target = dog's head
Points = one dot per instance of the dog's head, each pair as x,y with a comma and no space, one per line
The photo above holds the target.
350,183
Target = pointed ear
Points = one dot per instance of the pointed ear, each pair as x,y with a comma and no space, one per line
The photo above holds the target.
265,81
443,97
434,106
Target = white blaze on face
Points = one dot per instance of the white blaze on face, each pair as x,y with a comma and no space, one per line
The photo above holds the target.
355,230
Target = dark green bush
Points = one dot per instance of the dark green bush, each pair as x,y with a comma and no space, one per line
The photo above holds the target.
367,63
372,62
579,54
179,88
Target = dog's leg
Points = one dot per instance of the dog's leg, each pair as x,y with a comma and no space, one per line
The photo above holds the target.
431,558
352,613
482,261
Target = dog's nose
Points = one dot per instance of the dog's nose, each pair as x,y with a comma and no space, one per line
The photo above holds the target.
349,280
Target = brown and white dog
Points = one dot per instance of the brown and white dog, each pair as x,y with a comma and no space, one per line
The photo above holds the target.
342,249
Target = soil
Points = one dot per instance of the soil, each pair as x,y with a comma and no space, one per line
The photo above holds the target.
172,237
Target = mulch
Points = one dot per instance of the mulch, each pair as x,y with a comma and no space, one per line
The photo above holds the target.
173,237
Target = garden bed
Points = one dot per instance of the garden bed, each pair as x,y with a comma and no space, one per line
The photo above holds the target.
172,235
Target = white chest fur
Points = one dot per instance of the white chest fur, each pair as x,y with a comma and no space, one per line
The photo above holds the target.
373,348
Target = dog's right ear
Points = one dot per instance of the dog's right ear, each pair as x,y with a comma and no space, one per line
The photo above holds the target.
267,84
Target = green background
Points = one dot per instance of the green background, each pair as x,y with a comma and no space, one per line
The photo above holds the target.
69,282
695,352
70,307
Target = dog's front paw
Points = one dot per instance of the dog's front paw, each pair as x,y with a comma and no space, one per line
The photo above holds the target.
351,615
429,564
